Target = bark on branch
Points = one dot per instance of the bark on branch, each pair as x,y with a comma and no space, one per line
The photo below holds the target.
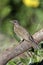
38,36
10,53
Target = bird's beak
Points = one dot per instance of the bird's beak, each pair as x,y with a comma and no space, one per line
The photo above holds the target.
11,22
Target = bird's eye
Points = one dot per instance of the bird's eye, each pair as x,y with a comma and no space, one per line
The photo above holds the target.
15,21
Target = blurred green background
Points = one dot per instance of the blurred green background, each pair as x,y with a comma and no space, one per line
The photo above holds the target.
29,17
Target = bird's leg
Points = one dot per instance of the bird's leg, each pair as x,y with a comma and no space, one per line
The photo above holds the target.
21,41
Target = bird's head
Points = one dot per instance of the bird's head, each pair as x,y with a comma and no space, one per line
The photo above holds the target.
15,22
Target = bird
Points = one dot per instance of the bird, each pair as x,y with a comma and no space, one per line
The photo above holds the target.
23,34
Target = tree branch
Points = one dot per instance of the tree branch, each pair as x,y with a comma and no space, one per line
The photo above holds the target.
10,53
38,36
